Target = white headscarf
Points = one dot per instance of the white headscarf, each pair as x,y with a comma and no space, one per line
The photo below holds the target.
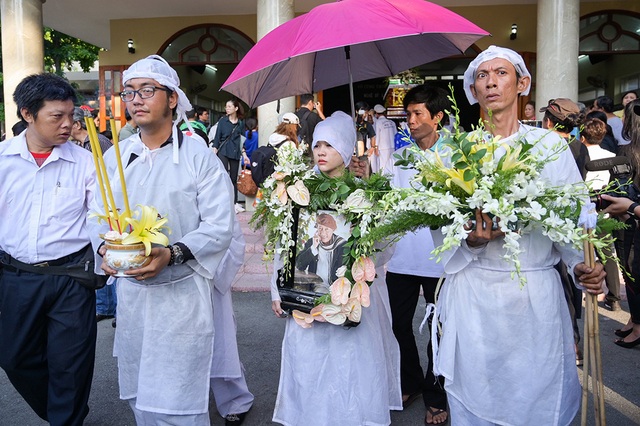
339,131
156,68
494,52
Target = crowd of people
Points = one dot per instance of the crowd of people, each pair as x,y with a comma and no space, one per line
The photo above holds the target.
175,337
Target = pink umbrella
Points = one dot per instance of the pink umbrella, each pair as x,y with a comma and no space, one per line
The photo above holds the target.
346,41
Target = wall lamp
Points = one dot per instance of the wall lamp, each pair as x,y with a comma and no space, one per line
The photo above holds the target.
130,46
514,32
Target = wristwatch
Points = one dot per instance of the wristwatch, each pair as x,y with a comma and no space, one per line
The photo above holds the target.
631,210
178,256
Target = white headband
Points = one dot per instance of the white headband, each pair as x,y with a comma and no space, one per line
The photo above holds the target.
155,67
494,52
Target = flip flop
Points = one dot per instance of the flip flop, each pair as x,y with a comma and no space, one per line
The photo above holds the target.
411,399
435,412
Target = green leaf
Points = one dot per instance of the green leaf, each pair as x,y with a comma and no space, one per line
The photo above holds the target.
468,175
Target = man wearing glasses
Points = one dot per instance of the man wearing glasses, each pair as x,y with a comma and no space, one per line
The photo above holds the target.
164,337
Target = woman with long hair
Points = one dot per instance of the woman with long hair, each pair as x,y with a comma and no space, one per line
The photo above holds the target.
630,333
228,145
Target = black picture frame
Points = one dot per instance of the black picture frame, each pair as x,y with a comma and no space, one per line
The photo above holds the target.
311,275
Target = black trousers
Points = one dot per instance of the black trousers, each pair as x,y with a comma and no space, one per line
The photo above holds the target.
404,292
630,260
232,167
48,341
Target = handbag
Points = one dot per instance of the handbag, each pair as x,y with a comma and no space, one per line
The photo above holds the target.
246,185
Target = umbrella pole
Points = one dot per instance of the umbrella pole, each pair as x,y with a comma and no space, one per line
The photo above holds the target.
347,54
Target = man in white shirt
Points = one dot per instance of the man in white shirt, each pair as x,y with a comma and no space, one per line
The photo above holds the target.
410,268
47,325
385,135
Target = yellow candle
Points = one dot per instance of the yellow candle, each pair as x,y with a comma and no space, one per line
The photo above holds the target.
99,175
91,128
116,146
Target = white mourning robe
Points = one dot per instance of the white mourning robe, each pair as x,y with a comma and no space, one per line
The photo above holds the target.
164,339
330,375
507,352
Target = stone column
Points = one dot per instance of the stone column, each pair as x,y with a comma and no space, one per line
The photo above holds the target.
270,14
22,48
557,51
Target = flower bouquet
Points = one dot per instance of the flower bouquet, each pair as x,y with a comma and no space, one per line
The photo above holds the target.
130,250
475,170
293,186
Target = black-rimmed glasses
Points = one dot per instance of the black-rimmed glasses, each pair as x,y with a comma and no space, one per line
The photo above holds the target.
144,93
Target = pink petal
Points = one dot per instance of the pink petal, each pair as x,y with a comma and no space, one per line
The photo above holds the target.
361,293
302,319
357,270
354,310
369,269
340,291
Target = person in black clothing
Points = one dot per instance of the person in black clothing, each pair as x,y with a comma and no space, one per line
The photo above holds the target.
364,127
308,118
227,143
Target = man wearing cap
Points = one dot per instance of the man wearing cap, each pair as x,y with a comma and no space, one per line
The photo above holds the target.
562,115
164,338
507,351
385,135
323,254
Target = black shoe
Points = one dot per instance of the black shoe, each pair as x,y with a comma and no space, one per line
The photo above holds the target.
235,419
612,305
100,317
113,323
623,333
621,342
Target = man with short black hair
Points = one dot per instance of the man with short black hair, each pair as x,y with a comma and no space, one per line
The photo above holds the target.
47,321
410,270
202,116
308,118
605,104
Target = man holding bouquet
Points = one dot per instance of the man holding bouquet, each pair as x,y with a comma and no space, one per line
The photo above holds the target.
507,350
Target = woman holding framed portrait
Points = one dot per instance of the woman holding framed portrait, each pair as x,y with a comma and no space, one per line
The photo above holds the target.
331,374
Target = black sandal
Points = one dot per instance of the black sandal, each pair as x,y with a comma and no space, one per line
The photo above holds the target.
435,412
